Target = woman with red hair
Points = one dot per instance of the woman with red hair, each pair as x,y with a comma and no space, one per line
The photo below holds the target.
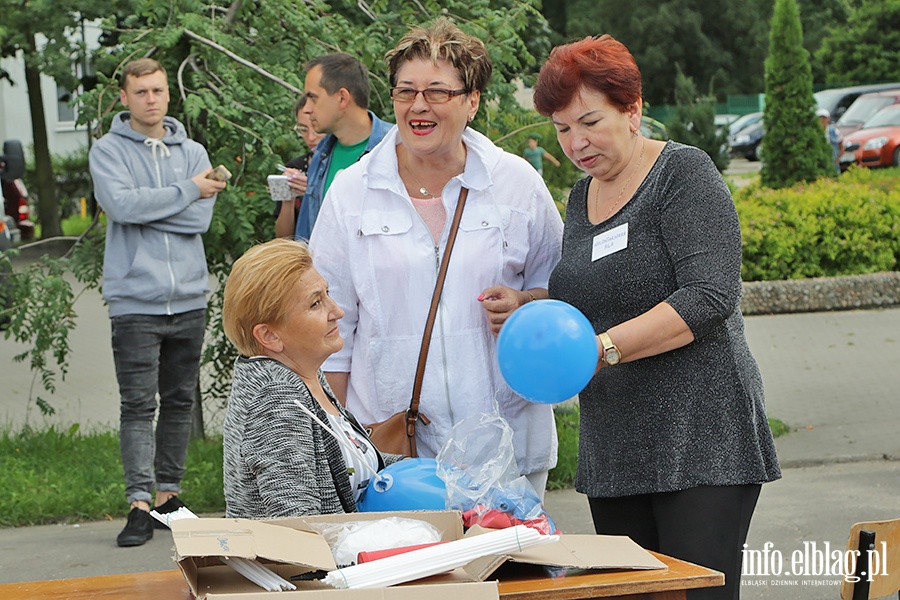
675,442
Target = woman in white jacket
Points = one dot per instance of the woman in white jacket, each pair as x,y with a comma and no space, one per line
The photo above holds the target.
381,234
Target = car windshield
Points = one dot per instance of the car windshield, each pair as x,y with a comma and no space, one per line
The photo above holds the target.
889,117
829,98
743,121
863,108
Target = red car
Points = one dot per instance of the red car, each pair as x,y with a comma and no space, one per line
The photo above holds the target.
877,144
15,200
864,108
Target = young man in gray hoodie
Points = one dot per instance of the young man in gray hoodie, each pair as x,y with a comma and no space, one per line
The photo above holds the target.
152,182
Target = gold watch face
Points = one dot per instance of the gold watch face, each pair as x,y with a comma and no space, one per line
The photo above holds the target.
612,356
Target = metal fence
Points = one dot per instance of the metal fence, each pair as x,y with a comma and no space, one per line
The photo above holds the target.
734,105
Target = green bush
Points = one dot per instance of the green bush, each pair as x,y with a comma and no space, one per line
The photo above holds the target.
822,229
72,179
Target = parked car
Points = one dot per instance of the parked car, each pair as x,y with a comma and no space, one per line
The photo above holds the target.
12,166
723,121
864,108
877,144
9,233
838,100
746,142
15,201
7,240
743,121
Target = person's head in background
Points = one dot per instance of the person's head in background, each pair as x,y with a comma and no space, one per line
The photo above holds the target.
336,84
144,91
824,117
534,140
277,305
304,128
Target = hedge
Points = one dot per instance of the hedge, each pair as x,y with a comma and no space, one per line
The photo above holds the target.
848,226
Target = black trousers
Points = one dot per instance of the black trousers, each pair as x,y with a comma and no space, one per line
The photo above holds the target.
705,525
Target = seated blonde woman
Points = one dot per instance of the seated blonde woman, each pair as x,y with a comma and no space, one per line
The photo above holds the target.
280,459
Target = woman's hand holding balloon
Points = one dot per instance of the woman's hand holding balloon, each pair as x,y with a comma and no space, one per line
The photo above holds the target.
499,301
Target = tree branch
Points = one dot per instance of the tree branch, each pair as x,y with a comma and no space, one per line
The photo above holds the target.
240,60
519,130
422,8
214,87
182,92
244,129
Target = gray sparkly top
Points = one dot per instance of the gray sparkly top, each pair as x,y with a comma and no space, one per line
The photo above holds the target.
692,416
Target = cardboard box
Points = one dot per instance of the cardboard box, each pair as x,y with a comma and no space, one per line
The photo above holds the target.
291,547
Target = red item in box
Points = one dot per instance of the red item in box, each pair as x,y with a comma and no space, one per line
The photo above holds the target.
364,557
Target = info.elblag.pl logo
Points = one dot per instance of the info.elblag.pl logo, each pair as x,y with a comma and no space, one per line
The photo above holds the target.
813,560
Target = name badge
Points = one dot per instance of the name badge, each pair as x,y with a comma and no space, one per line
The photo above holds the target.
609,242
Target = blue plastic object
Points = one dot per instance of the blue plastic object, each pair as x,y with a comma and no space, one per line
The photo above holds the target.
410,484
547,351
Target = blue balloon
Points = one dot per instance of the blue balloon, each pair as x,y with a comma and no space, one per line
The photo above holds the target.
411,484
547,351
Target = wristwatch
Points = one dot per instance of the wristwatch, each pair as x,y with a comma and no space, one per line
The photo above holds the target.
611,354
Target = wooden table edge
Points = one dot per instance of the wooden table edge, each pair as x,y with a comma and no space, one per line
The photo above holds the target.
680,575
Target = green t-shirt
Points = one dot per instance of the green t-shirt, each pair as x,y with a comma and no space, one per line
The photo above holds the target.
342,157
535,156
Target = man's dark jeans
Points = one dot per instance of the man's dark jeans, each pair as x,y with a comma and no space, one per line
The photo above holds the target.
156,353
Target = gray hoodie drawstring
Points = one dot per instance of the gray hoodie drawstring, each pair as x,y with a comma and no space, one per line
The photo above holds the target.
155,144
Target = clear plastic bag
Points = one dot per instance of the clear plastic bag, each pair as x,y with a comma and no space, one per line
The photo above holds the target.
348,539
478,466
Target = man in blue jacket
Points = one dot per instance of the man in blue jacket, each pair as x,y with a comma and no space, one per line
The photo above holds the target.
337,101
152,182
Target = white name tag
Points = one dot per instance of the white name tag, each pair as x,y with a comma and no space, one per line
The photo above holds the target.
611,241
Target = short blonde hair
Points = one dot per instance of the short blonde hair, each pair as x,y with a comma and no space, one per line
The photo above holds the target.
260,288
139,68
443,40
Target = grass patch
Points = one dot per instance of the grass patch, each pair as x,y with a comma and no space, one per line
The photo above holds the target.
778,427
563,475
54,476
73,226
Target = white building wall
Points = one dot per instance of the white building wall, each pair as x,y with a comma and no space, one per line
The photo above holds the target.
15,114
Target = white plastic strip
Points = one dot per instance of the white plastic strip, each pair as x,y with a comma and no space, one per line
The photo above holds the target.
258,574
183,512
341,439
435,559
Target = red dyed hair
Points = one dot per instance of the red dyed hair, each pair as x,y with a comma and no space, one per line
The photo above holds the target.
600,64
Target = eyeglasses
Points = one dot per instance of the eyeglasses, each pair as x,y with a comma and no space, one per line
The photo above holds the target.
431,95
301,129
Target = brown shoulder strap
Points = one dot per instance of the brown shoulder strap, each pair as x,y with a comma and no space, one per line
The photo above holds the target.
413,413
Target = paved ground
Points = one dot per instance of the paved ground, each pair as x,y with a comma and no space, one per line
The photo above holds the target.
833,377
742,171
